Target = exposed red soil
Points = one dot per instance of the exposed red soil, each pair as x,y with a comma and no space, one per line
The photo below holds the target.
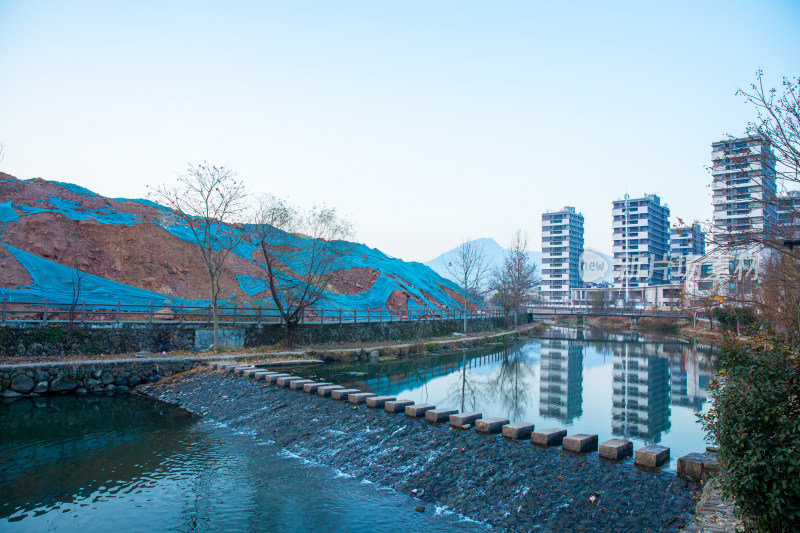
459,298
12,274
353,280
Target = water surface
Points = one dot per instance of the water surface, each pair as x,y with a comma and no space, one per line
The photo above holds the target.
130,464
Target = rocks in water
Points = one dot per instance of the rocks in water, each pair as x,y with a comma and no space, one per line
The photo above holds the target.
41,387
9,394
420,508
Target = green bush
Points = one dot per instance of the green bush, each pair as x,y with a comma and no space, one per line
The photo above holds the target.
755,421
729,317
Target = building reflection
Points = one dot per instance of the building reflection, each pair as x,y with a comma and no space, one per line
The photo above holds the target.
561,380
689,381
641,393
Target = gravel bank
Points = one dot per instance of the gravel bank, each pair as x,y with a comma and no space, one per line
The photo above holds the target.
512,486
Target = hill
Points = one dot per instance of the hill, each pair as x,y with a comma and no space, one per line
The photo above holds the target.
495,254
56,237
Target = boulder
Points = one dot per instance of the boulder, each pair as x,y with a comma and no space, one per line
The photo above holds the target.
22,384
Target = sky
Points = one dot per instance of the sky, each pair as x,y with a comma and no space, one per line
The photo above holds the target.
426,123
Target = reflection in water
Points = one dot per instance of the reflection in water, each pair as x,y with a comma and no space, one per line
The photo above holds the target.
641,394
561,380
620,385
689,382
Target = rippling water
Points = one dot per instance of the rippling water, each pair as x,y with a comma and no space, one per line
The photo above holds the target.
129,464
643,388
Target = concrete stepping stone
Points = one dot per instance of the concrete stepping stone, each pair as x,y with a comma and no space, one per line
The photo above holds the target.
341,394
300,383
275,377
616,449
312,387
651,456
698,466
326,390
418,410
440,415
377,402
261,375
580,443
463,419
359,397
518,430
548,436
250,372
396,406
285,381
492,424
239,370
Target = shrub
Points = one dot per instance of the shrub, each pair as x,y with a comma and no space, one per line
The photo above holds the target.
755,421
431,347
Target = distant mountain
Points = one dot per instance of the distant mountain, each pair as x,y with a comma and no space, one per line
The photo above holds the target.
495,254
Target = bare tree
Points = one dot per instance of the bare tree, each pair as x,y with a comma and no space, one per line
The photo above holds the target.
470,268
515,280
206,199
299,267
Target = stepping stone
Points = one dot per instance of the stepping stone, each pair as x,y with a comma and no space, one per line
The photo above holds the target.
439,415
548,436
312,387
300,383
250,372
261,375
616,449
651,456
580,443
327,389
273,378
377,402
286,380
359,397
418,410
239,370
490,425
459,420
698,466
395,406
219,365
518,430
341,394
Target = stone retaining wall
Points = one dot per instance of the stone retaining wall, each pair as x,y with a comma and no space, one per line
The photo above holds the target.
96,377
58,341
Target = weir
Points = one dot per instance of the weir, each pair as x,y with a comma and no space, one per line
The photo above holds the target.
698,466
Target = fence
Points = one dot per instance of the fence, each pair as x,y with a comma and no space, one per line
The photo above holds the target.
43,313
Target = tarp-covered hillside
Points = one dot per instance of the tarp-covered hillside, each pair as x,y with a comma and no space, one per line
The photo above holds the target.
54,236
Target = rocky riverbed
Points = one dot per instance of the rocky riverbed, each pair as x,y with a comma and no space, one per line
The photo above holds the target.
509,485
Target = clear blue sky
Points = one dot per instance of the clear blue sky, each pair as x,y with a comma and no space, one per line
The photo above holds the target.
427,122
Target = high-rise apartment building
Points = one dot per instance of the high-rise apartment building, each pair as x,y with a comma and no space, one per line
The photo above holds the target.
641,241
562,246
743,172
684,241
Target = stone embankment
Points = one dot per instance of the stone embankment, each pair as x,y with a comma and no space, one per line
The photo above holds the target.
509,483
118,375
